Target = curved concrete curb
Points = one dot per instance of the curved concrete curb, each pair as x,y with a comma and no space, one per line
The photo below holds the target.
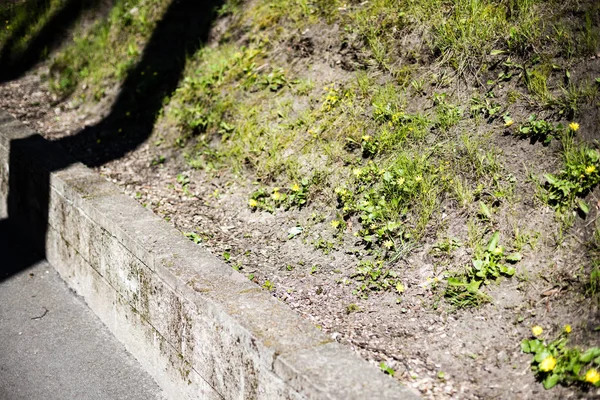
201,329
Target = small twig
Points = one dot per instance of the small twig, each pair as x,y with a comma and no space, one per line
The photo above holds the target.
43,315
593,220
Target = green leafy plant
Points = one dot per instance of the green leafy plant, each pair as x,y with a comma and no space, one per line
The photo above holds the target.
194,237
184,181
268,285
580,174
370,146
270,199
372,277
380,197
464,290
275,80
555,362
388,370
485,107
539,130
446,245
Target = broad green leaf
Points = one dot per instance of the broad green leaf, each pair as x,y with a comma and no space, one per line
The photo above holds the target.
525,346
550,178
583,206
514,257
590,354
484,210
551,381
539,357
535,345
493,241
473,286
456,282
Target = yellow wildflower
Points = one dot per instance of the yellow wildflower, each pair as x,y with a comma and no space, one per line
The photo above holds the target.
418,178
537,330
568,328
253,203
357,172
574,126
295,187
592,376
366,138
335,224
276,195
548,364
590,169
508,123
388,244
400,181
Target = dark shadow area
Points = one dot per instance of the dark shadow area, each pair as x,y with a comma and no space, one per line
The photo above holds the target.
46,39
183,29
15,253
34,9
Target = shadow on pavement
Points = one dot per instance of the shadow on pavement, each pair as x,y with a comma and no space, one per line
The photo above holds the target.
15,254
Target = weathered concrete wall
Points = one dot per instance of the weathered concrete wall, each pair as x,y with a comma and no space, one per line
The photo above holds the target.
200,328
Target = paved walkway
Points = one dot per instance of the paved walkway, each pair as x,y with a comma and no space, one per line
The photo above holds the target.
51,344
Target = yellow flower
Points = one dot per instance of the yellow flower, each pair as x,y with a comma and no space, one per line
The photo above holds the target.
568,328
574,126
335,224
252,203
357,172
400,181
548,364
590,169
366,138
388,244
295,187
508,123
537,330
276,195
592,376
418,178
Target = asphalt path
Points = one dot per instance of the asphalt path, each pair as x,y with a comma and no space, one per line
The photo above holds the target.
52,346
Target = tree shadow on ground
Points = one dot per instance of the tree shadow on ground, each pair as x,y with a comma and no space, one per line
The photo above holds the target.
182,31
55,29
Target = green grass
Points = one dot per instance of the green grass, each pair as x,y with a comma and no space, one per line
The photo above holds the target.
103,54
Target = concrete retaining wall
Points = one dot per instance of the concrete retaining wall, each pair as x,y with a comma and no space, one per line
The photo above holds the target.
201,329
